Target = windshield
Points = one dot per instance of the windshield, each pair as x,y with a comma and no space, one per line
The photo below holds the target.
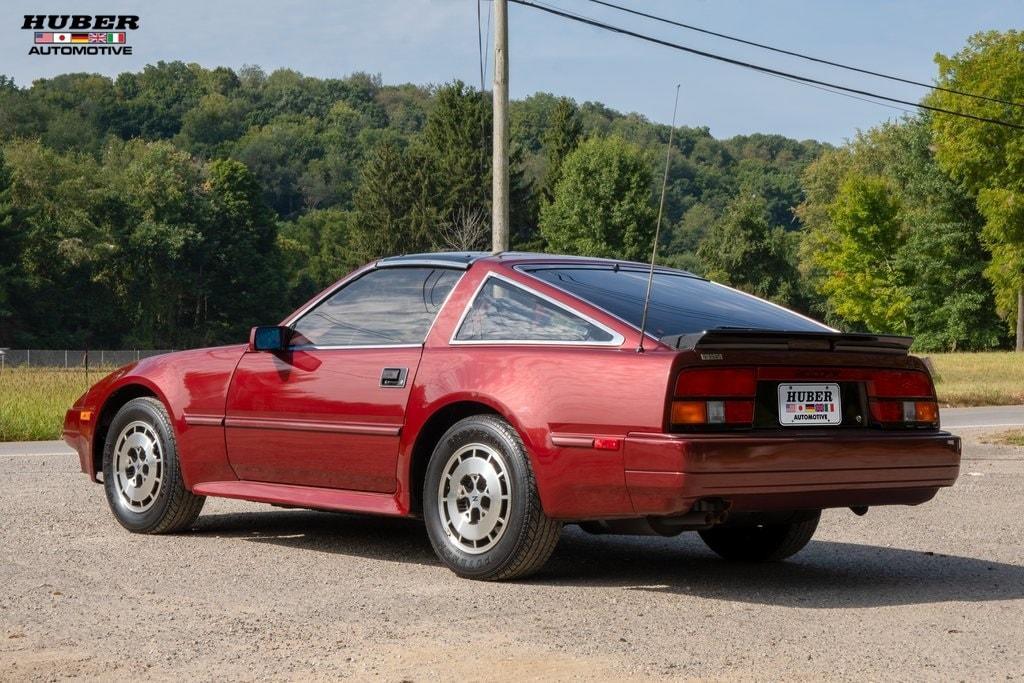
680,303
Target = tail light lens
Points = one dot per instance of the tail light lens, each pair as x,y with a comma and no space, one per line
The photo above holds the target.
899,384
902,398
717,382
911,413
715,396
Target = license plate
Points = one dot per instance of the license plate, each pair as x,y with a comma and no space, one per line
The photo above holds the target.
809,404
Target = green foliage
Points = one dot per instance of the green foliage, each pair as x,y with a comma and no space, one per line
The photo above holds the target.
121,190
561,137
746,250
395,211
602,204
988,159
241,236
10,248
930,272
157,250
316,248
864,282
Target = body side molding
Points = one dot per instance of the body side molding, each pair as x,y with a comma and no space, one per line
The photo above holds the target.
304,496
312,426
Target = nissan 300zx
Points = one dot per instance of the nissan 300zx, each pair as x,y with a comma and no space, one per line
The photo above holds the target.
500,397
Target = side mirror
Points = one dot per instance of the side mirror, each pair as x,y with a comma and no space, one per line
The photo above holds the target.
269,338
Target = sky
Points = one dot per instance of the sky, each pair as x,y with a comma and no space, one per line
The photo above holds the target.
435,41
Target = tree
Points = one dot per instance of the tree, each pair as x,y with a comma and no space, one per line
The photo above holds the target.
209,127
10,249
153,213
864,284
394,209
746,251
561,137
467,230
278,154
316,248
456,143
602,204
987,158
937,249
242,282
456,147
65,248
155,100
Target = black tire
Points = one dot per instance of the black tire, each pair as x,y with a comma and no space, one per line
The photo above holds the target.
763,542
526,538
164,504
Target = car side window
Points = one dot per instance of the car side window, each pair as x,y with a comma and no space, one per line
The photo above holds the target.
383,307
502,311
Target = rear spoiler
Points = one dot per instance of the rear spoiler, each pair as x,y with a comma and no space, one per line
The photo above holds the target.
789,341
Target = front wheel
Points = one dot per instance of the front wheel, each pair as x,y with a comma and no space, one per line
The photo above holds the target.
141,473
763,542
480,503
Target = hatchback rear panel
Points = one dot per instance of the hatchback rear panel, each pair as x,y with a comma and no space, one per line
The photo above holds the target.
762,465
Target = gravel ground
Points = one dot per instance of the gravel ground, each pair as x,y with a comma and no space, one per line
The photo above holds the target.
932,592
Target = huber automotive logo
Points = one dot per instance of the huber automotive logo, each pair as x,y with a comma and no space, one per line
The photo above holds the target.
80,34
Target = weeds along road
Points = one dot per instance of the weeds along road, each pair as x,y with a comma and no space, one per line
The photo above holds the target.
253,592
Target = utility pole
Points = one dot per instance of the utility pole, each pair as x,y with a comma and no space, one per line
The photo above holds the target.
499,163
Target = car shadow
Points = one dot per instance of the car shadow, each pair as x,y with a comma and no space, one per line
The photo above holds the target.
825,575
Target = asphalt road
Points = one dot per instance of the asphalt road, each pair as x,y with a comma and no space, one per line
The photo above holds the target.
985,416
933,592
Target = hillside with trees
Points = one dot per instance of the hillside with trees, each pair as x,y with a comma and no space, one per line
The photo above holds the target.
180,205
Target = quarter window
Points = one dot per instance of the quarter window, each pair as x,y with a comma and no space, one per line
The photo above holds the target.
383,307
505,312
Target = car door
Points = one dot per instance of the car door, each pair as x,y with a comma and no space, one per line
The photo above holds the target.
328,412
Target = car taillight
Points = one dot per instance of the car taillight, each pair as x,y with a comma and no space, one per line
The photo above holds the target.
902,398
899,384
714,396
717,382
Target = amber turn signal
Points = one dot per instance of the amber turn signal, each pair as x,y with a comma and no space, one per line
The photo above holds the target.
926,411
689,412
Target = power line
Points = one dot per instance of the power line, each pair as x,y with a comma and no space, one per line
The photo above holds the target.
479,41
846,94
487,40
835,92
480,44
758,67
801,55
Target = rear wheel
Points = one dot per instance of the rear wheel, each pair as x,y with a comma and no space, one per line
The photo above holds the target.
480,503
141,474
769,542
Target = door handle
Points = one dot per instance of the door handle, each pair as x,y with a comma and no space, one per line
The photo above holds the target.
393,378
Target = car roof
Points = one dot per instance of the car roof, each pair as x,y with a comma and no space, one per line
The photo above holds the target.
464,259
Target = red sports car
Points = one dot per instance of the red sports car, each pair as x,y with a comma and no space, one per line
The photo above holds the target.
498,397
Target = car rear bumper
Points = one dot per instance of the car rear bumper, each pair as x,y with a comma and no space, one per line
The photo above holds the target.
667,473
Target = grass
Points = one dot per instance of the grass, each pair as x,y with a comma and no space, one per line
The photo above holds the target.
33,400
1013,437
979,379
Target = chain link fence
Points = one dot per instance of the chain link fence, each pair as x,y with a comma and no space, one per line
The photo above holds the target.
73,358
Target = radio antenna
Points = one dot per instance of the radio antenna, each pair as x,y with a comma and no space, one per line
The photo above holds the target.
657,227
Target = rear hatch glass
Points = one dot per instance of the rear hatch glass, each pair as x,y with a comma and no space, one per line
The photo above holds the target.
681,303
